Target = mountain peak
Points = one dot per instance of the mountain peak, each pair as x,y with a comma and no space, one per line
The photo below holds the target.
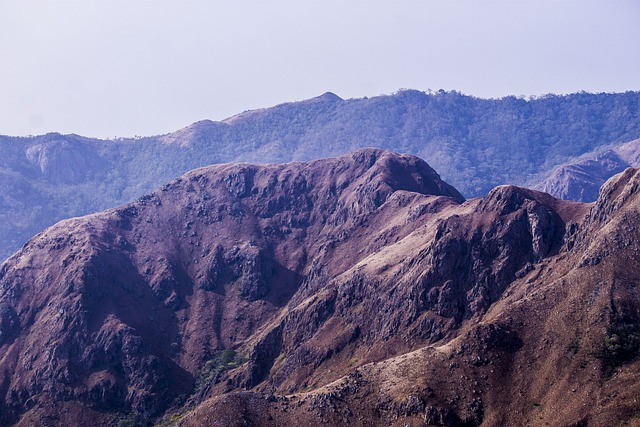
239,239
620,193
318,291
329,96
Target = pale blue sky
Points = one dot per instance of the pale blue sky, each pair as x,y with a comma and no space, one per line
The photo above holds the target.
124,68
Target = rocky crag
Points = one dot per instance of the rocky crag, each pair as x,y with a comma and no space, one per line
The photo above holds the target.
581,179
361,290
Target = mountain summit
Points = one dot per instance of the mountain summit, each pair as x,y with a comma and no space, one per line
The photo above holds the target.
361,289
475,144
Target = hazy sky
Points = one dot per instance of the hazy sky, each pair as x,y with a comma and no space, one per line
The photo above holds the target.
121,68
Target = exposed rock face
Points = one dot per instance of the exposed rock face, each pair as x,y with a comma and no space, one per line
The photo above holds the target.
360,289
582,179
59,161
130,304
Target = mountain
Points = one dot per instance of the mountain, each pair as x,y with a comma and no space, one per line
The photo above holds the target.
581,180
474,143
361,289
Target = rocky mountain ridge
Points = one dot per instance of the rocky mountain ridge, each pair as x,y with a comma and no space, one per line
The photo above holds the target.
474,143
581,180
361,289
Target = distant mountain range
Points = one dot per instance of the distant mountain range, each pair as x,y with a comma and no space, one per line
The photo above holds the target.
474,143
359,290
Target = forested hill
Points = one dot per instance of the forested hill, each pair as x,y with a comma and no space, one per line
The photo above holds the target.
474,143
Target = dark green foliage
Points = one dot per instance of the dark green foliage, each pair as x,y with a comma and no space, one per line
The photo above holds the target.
209,374
173,418
621,345
222,361
574,345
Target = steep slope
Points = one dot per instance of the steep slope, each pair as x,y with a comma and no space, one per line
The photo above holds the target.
360,289
558,348
141,297
581,180
474,143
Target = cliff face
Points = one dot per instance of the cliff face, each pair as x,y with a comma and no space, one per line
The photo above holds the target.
361,289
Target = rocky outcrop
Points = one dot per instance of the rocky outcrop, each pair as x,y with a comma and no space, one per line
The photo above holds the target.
60,162
554,327
130,304
359,289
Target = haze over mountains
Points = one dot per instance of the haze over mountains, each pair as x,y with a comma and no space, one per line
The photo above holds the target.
361,289
474,143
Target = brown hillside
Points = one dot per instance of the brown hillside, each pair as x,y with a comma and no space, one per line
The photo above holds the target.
358,290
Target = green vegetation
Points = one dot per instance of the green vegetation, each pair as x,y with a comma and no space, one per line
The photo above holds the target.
210,372
621,345
222,361
173,418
